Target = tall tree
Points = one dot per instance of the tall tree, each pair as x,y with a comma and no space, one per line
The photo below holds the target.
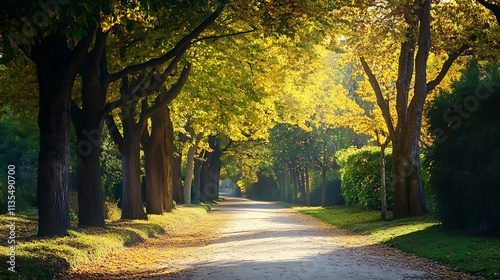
409,26
129,142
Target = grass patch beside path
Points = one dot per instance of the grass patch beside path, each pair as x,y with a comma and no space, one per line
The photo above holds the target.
424,236
45,258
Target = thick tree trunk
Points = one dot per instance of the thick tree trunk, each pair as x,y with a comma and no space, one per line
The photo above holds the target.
210,180
88,125
168,198
153,157
408,190
56,72
132,207
178,196
88,178
406,182
210,173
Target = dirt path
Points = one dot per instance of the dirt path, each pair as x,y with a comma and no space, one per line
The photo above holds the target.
258,240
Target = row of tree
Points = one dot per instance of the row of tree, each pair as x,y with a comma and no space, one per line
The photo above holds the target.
92,60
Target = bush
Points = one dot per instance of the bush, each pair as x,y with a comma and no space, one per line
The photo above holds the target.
465,158
111,209
360,177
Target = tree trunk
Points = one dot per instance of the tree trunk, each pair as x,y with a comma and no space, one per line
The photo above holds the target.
132,207
153,157
307,187
407,185
323,186
197,177
285,185
178,196
56,73
88,177
168,199
88,125
383,196
211,171
189,174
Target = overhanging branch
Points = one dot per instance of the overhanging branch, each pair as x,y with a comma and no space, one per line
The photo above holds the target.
382,104
186,41
216,37
446,67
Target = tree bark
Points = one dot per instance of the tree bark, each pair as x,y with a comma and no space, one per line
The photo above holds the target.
154,164
88,178
190,167
168,198
189,175
88,125
178,196
211,171
295,177
324,169
383,196
307,187
57,68
197,176
132,206
285,185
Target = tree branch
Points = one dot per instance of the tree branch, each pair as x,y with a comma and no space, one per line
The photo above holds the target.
186,41
492,7
114,132
164,99
145,133
216,37
133,95
446,67
382,104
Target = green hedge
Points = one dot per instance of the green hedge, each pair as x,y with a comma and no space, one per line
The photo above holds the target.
360,176
465,159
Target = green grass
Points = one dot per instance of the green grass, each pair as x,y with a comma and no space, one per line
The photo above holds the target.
424,236
45,258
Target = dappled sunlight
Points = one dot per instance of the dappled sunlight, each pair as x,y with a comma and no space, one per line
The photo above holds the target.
391,232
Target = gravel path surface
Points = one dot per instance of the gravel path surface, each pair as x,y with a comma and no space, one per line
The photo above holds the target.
243,239
265,241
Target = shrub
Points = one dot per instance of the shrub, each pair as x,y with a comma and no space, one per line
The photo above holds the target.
111,209
465,157
360,176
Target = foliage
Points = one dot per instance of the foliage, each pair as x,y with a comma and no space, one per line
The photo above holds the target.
265,188
360,177
422,236
465,158
111,168
19,147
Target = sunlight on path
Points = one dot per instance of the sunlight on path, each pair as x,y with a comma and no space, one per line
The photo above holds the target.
265,241
243,239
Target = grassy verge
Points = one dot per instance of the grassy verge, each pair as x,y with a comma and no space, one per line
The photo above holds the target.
477,255
45,258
